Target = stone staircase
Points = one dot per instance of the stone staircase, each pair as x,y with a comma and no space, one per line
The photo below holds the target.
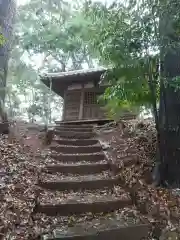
80,184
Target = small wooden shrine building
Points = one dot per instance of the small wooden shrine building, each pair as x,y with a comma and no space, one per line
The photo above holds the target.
80,90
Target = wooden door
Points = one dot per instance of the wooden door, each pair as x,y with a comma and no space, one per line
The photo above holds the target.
72,105
91,109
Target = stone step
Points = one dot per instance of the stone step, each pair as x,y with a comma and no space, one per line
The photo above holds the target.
84,124
77,142
73,134
76,185
78,169
101,204
47,196
52,161
80,157
76,149
74,128
114,230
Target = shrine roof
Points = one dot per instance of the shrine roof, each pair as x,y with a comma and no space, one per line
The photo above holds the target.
73,75
61,80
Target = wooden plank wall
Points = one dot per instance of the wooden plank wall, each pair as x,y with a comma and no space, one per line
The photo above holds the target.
81,103
72,105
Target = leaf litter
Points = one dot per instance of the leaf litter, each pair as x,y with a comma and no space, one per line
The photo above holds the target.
73,177
19,171
161,206
100,221
20,168
57,197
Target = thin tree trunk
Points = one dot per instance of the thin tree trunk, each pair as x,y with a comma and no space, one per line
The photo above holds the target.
157,171
7,13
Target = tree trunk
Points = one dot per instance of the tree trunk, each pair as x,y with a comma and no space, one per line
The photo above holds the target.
169,103
170,131
7,14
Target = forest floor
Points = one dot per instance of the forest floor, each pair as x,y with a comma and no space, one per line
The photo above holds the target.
160,206
22,155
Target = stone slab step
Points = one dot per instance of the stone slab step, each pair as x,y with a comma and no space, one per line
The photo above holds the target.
78,169
74,128
80,157
73,134
112,230
76,149
77,142
52,161
85,122
104,205
53,197
89,184
89,125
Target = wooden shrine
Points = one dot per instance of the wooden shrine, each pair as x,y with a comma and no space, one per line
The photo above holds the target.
80,90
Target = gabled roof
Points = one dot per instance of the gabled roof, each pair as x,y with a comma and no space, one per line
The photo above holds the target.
61,80
73,75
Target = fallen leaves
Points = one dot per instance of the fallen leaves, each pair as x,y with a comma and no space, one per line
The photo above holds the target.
19,172
162,205
100,221
56,197
73,177
17,190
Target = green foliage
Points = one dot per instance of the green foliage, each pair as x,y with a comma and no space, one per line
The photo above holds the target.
52,28
125,40
175,83
1,39
65,36
117,109
33,110
47,39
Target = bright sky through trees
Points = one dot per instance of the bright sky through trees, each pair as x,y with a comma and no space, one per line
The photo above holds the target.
21,2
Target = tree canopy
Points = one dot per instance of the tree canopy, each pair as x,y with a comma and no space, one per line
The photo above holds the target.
125,40
47,38
139,42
